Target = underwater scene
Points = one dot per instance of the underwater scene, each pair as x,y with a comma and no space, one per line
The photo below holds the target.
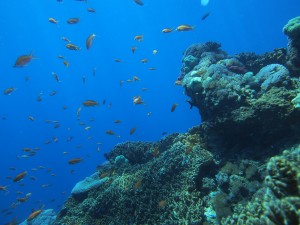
131,112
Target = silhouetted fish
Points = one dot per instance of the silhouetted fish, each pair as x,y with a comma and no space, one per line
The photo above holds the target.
205,16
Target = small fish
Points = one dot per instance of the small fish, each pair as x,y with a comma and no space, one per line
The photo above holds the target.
110,132
91,10
34,214
89,41
144,60
184,28
78,112
3,188
65,39
66,63
72,47
149,114
20,176
52,20
136,78
151,68
88,128
53,93
121,82
174,107
132,130
31,118
178,82
155,152
144,89
205,16
75,161
73,20
83,79
94,71
139,2
139,38
118,60
117,121
55,76
137,100
162,203
89,103
23,60
154,52
167,30
133,48
60,57
8,91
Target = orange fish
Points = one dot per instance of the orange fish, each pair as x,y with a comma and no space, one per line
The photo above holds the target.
174,107
184,28
138,38
89,41
75,161
167,30
23,60
133,48
132,130
73,20
8,91
89,103
139,2
34,215
66,63
72,47
20,176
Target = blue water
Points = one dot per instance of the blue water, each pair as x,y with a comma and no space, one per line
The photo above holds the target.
251,25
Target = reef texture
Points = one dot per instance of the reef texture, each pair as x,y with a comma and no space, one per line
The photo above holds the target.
237,96
292,30
240,166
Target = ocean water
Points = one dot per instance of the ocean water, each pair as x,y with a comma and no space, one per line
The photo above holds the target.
240,26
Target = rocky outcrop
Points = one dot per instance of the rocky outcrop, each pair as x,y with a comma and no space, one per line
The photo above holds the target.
292,30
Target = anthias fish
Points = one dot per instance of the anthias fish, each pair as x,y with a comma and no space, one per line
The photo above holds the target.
23,60
20,176
34,215
73,20
139,2
89,41
184,28
75,161
174,107
89,103
72,47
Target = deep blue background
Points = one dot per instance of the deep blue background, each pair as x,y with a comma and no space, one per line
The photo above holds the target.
251,25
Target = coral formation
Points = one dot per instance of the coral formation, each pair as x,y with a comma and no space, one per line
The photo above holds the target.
292,30
229,170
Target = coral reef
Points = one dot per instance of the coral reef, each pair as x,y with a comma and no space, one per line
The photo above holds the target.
292,30
240,166
237,96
